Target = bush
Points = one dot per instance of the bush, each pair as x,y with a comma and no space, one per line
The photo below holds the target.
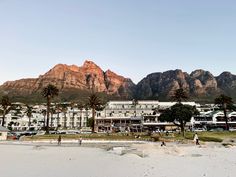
213,139
155,138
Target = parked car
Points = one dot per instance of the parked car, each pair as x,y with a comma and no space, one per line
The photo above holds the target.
41,133
86,132
12,136
232,129
28,133
217,130
61,132
53,132
199,130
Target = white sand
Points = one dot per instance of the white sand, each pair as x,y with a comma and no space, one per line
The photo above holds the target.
171,161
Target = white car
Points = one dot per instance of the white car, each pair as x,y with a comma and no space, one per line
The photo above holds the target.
41,133
232,129
199,129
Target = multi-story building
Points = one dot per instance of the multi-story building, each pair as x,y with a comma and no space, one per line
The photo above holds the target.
133,115
213,119
117,116
69,118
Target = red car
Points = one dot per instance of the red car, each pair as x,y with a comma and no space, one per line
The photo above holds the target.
11,136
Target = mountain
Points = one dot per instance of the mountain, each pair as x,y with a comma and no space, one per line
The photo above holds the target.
227,83
200,85
75,82
73,78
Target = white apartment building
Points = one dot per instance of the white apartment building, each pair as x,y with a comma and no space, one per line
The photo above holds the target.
117,116
71,118
213,119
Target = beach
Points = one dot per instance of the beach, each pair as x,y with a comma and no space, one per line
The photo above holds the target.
116,160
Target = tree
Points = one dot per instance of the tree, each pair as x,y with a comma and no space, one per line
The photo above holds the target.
90,123
225,102
52,111
134,104
179,95
29,112
44,112
72,107
80,106
64,108
179,114
6,107
58,111
95,103
49,92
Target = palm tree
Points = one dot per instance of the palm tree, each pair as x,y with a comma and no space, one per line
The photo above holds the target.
179,95
86,107
72,107
58,111
80,107
44,112
6,107
225,103
64,108
95,103
49,92
52,111
135,103
28,112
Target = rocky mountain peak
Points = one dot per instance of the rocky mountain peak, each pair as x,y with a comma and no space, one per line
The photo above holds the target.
159,85
226,81
201,73
88,64
74,68
226,74
112,74
88,76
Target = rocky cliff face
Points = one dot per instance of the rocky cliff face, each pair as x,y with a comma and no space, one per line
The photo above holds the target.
198,83
227,83
87,77
226,80
158,85
202,82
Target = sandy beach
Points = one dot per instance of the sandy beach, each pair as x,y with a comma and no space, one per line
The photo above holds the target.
116,160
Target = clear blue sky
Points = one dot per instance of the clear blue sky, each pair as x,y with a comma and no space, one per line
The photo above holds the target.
130,37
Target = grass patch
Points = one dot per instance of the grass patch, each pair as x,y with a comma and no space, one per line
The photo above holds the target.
211,139
203,136
93,136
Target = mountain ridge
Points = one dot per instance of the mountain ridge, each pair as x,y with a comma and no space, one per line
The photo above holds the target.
158,85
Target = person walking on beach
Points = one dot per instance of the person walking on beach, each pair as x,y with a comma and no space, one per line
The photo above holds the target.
80,141
163,143
59,140
195,139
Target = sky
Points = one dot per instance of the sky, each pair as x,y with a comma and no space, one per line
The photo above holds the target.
130,37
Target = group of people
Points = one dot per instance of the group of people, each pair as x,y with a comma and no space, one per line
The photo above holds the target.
195,139
59,140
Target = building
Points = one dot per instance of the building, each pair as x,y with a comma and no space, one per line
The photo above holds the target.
117,116
213,119
3,133
134,116
68,118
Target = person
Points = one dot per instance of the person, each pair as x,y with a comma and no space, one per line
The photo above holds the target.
59,140
163,143
195,139
80,141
